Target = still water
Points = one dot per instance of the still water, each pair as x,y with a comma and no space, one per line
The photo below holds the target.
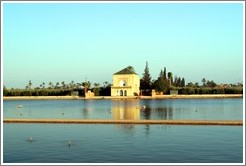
123,143
204,109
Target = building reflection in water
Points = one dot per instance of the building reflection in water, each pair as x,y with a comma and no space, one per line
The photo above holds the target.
157,110
131,110
164,113
86,109
125,109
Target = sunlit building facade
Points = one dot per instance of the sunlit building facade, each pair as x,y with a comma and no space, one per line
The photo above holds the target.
125,83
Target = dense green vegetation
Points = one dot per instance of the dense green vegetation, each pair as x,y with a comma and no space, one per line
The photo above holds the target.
59,89
162,85
165,83
208,90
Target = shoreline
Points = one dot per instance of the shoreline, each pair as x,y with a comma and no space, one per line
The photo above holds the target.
110,121
204,96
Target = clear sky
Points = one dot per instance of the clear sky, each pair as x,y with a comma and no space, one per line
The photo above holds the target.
56,42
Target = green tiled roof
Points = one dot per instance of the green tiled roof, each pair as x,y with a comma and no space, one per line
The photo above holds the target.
127,70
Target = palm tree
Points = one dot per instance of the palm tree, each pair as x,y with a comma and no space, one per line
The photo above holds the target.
72,85
86,85
105,84
96,89
57,85
43,85
204,81
30,84
63,84
78,85
51,85
96,85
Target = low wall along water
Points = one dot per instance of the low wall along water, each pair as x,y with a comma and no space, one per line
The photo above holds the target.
95,121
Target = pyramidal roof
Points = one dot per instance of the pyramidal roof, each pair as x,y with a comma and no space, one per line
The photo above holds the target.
127,70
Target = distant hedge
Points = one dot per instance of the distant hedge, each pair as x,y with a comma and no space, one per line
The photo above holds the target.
53,92
38,92
206,90
106,91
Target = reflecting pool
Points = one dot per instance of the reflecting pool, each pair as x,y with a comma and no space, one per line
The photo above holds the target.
123,143
204,109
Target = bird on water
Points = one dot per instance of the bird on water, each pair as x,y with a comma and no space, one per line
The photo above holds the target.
69,143
19,106
29,139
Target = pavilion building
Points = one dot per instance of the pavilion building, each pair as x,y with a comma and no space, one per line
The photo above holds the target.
125,83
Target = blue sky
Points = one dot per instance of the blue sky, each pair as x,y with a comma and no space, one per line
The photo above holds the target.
56,42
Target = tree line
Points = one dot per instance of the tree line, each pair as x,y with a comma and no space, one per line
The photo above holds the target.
164,84
59,89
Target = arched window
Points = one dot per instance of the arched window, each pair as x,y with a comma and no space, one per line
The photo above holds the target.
122,83
121,92
125,93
